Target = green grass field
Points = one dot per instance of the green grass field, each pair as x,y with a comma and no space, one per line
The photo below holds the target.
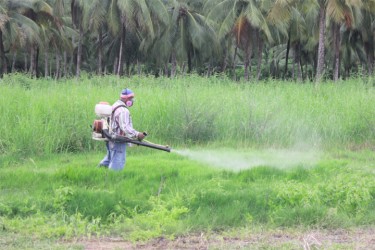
245,156
167,195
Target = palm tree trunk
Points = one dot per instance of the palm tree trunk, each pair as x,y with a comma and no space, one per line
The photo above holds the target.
122,45
189,60
174,64
139,68
234,62
369,49
100,52
225,60
3,59
71,61
166,71
46,63
26,66
260,56
65,62
370,62
14,61
297,59
336,42
209,70
247,66
50,67
322,28
115,62
287,56
183,69
36,58
79,52
250,62
32,52
58,72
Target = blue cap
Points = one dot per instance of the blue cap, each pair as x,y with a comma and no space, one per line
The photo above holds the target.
126,92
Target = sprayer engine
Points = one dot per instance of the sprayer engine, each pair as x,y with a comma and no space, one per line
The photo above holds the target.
101,130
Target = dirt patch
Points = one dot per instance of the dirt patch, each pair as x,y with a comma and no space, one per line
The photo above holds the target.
315,239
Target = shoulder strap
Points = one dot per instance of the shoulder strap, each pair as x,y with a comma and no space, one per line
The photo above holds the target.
113,111
119,106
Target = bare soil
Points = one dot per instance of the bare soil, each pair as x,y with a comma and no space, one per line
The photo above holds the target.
315,239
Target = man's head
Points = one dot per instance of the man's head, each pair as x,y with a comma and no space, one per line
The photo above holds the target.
127,96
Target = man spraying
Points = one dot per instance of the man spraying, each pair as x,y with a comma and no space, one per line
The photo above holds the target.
121,125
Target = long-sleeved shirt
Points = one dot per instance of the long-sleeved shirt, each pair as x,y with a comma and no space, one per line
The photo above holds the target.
122,122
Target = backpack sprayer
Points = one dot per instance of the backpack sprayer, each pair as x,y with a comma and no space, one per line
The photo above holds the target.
101,131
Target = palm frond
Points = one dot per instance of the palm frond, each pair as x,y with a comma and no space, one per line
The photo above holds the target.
3,19
297,26
30,28
335,10
221,10
146,19
114,19
280,12
95,15
195,30
226,25
127,7
160,11
42,6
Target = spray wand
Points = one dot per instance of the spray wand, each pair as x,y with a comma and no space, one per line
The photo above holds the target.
117,138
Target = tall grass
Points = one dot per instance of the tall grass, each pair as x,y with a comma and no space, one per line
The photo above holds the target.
46,116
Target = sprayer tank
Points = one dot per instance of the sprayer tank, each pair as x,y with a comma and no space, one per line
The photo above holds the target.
103,109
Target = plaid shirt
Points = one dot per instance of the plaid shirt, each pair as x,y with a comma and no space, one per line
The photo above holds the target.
122,122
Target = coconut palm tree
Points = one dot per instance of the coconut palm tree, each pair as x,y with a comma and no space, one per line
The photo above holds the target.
4,18
95,20
188,37
338,12
243,21
77,7
342,15
352,51
322,38
291,26
366,30
130,16
54,31
16,28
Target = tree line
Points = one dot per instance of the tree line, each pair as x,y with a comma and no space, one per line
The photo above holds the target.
249,39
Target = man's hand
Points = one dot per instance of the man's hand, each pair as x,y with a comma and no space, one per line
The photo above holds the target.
141,136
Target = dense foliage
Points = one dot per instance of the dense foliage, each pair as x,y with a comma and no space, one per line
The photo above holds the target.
242,38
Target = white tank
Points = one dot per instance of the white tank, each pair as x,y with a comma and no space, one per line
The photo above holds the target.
103,109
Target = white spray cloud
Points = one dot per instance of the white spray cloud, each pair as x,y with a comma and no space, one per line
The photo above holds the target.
230,159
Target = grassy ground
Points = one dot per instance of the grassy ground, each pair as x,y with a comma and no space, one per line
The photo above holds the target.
248,157
170,195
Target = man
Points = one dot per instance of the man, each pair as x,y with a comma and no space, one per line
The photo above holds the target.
121,124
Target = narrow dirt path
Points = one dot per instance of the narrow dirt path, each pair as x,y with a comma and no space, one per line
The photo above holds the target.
316,239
